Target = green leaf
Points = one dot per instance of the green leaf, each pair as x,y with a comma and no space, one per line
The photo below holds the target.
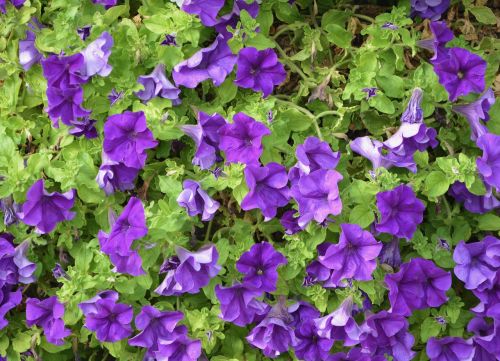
382,103
260,42
21,342
429,328
436,184
362,215
338,35
488,222
483,14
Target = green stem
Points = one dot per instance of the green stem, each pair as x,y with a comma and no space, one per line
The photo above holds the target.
291,64
209,229
448,210
305,112
364,17
325,113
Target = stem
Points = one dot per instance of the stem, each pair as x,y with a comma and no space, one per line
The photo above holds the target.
305,112
325,113
448,210
363,17
209,228
291,64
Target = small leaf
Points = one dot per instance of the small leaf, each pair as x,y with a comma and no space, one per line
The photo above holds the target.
484,15
338,36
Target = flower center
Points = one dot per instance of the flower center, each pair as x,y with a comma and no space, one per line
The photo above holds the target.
460,74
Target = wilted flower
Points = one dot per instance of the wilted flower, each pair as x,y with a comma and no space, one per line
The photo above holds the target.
370,92
429,9
28,53
169,40
10,210
96,56
449,348
474,203
84,32
207,10
488,165
197,201
390,253
114,96
290,223
59,272
157,84
48,314
477,112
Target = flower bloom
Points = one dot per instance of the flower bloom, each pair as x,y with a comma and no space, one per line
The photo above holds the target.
441,35
189,271
317,195
16,3
353,257
268,189
10,211
84,127
106,3
449,349
214,62
477,112
489,164
290,223
429,9
126,138
181,349
113,176
44,210
197,201
259,70
401,212
84,32
231,19
48,314
486,335
28,53
157,84
310,346
419,277
96,56
64,72
260,266
207,10
474,203
241,140
315,154
206,137
65,104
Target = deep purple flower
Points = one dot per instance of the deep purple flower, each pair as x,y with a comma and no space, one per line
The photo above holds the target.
9,299
370,92
44,210
231,19
113,176
126,138
10,210
474,203
419,284
302,312
390,253
477,112
315,154
89,306
28,53
238,304
155,326
260,266
197,201
488,165
64,72
317,195
157,84
290,223
106,3
259,70
449,349
207,10
400,210
310,346
16,3
214,62
84,32
48,314
474,265
84,127
429,9
241,140
65,104
486,335
169,40
109,320
96,56
206,137
59,272
268,189
353,257
461,73
441,35
114,96
190,272
488,294
389,26
387,333
181,349
413,112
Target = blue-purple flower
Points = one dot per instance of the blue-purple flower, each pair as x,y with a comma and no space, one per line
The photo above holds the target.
474,203
207,10
48,314
315,154
96,56
488,165
28,53
429,9
477,112
197,201
449,349
157,84
441,35
113,176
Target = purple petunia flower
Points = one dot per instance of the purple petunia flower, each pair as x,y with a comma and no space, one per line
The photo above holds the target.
65,104
290,223
474,265
449,349
486,335
189,271
44,210
48,314
259,70
260,266
370,92
169,40
387,333
317,195
353,257
477,112
419,284
28,53
59,272
9,299
238,304
89,305
488,165
231,19
157,84
390,253
302,312
96,56
241,140
461,73
214,62
84,32
206,137
315,154
474,203
400,210
268,189
14,265
429,9
84,127
310,346
106,3
197,201
126,138
389,26
113,176
114,96
441,35
207,10
16,3
64,71
181,349
10,211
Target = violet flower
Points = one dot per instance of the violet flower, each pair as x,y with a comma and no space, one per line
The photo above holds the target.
44,210
389,26
48,314
84,32
370,92
207,10
64,71
206,137
488,165
10,211
114,96
197,201
16,3
268,189
157,84
214,62
96,56
241,140
113,176
84,127
169,40
231,19
181,349
441,35
474,203
477,112
486,335
28,53
106,3
9,299
429,9
259,70
315,154
290,223
65,104
390,253
310,346
449,349
302,312
126,138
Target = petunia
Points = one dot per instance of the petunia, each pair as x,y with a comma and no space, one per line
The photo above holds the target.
126,138
157,84
84,127
241,140
181,349
390,253
48,314
302,312
170,39
28,53
488,294
206,137
401,212
44,210
461,73
429,9
197,201
290,223
370,92
259,70
113,176
441,35
474,203
477,112
9,299
65,104
106,3
64,72
232,18
419,284
89,306
310,346
207,10
238,304
84,32
486,335
214,62
114,96
315,154
268,189
449,349
260,266
317,195
96,56
10,210
353,257
488,165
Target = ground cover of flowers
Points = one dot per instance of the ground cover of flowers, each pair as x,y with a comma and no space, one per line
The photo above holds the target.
226,180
